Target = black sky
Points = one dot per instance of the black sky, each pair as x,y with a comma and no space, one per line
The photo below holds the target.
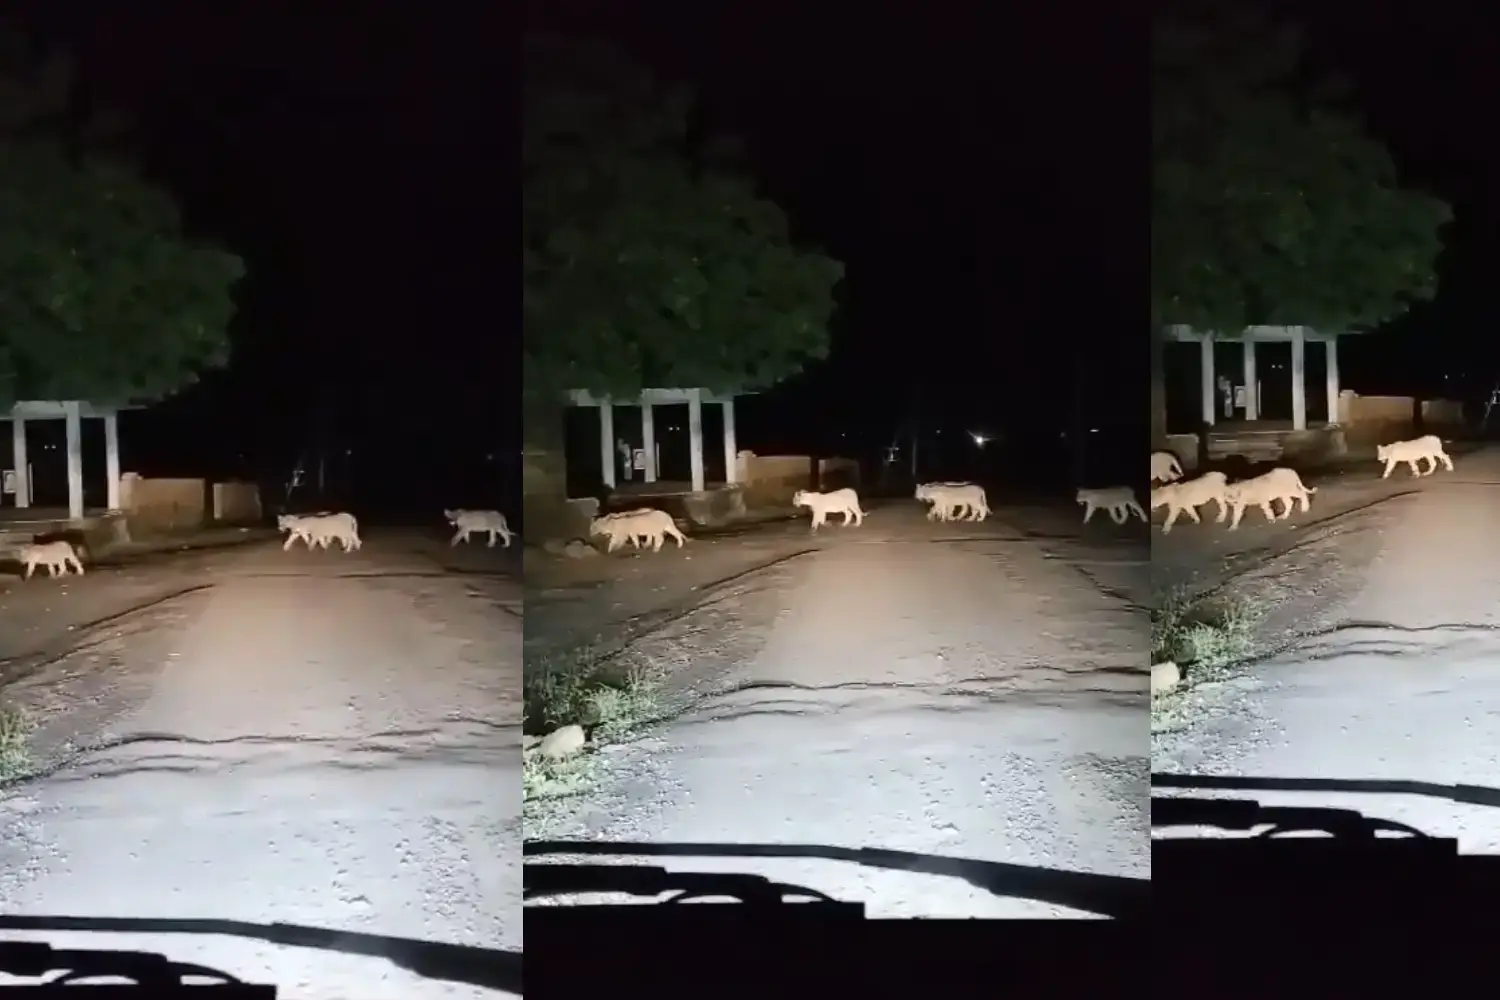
982,173
362,165
1425,75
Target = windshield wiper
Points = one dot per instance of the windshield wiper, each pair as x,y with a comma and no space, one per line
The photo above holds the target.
35,960
1114,896
648,880
1477,795
1246,814
490,968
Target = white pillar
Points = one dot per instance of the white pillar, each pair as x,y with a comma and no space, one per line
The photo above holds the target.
731,449
74,422
1252,405
1206,376
648,432
112,458
23,465
1299,380
607,441
695,435
1333,379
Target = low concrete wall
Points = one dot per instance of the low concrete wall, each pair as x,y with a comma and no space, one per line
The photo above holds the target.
236,503
770,480
1373,420
163,504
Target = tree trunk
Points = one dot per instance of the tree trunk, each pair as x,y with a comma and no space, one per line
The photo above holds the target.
1158,388
545,512
543,470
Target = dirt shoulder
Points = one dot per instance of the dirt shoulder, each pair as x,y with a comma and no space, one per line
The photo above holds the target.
574,603
1205,557
1273,586
44,617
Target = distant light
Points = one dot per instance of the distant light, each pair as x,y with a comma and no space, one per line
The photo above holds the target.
980,440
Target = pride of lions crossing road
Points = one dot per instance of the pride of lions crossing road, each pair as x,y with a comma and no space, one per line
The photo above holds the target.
1169,490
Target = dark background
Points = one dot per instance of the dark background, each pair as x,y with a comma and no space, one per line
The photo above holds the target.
983,175
1419,77
1424,75
364,166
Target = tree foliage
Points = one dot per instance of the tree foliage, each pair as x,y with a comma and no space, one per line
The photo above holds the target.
102,296
1270,204
649,261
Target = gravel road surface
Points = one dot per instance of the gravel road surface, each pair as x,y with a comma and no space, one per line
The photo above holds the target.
972,691
1396,682
307,737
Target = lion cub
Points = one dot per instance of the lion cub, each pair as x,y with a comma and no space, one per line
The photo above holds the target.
1186,498
845,502
56,556
1263,491
1428,448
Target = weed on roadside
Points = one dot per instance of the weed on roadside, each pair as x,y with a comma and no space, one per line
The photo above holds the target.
1209,634
606,698
15,743
582,690
1206,637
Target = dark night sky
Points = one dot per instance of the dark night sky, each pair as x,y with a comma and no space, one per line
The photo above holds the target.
1425,74
362,166
983,176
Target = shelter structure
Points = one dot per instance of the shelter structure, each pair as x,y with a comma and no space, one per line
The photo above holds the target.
1298,336
72,413
1230,402
647,401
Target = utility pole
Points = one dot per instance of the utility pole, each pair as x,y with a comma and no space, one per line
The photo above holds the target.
916,429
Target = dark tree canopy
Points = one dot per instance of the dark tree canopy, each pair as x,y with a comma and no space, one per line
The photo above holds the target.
649,260
104,298
1269,203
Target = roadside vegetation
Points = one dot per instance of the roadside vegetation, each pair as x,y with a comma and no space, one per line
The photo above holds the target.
1206,638
606,698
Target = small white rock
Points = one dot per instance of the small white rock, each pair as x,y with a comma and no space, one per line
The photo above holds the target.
1164,677
562,742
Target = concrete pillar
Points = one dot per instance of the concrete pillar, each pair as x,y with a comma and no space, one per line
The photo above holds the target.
731,448
23,464
648,433
1332,344
607,441
74,421
1299,380
112,458
1206,377
1252,405
695,435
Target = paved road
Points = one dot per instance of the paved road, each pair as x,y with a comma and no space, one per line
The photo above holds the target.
314,738
963,691
1400,684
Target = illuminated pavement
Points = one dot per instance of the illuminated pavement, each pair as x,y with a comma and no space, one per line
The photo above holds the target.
1401,685
978,697
338,752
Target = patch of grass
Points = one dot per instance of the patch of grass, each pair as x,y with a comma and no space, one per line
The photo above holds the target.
602,698
15,743
1208,635
608,699
543,778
